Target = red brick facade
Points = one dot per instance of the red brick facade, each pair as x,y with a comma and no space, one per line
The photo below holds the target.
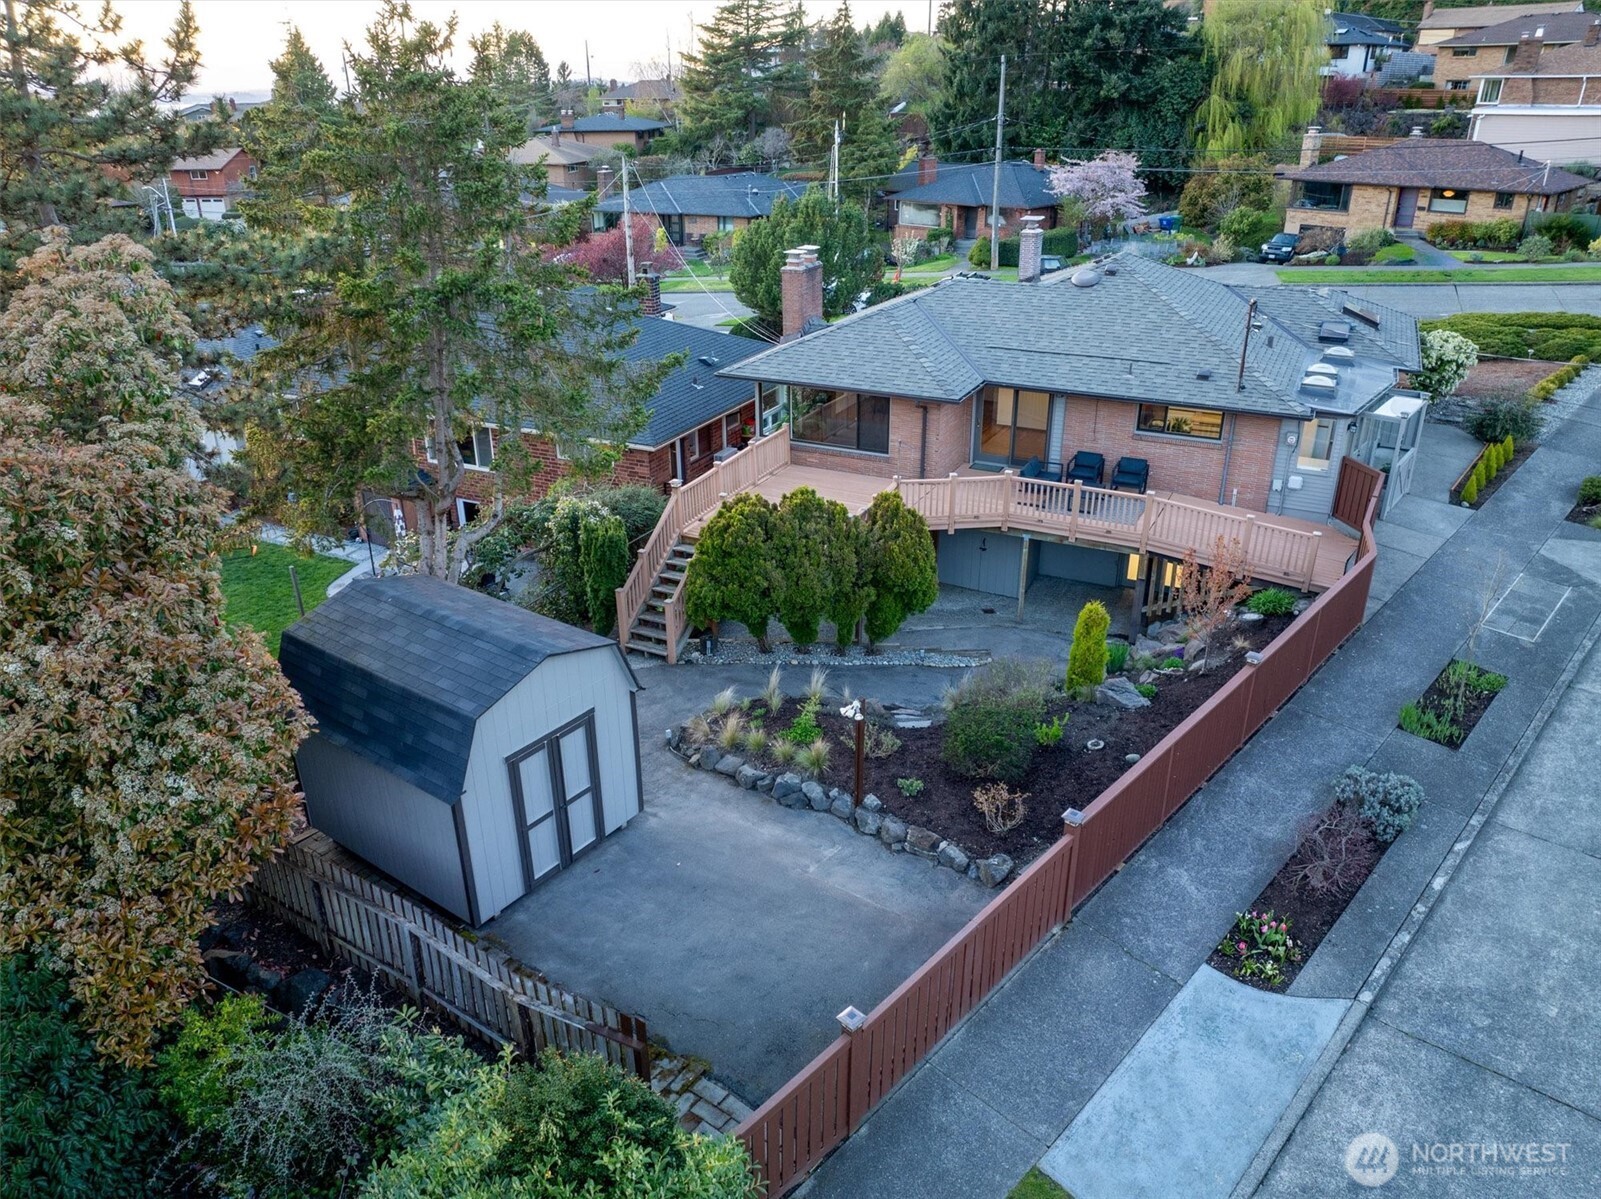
950,442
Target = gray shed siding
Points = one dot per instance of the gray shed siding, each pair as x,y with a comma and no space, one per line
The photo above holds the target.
400,829
1314,499
562,688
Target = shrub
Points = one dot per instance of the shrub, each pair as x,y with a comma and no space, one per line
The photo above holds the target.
1271,601
1564,231
1210,594
1148,690
814,560
1001,807
989,733
1238,181
733,574
1395,254
1561,345
74,1125
804,729
603,555
1170,663
910,787
812,760
1250,227
1534,246
1260,946
1049,732
1498,419
1499,234
900,573
755,742
1086,657
1470,491
1335,852
1590,490
1481,474
1369,241
1575,255
1389,802
783,751
1331,260
1116,656
877,741
732,735
1447,358
1509,446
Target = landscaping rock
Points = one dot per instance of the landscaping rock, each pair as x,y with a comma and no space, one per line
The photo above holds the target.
1172,633
1121,692
922,842
873,804
1131,758
262,979
1301,605
1147,676
729,764
843,808
1196,666
972,870
993,871
708,757
1250,618
952,855
786,785
1194,648
892,831
835,793
747,776
675,737
815,795
302,989
868,822
1147,647
765,784
231,966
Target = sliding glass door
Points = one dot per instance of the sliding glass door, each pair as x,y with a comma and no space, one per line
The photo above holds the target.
1014,425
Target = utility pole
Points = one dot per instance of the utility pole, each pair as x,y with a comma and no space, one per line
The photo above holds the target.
628,225
833,164
166,196
995,186
588,81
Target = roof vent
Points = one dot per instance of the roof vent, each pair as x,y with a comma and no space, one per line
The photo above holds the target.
1340,354
1111,270
709,360
1322,384
1085,276
1203,374
1366,315
1335,331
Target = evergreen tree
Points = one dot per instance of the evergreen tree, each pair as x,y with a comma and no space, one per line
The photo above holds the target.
888,33
811,562
1086,656
1257,98
69,136
733,573
901,574
510,63
846,248
745,75
603,554
976,33
429,313
286,136
843,89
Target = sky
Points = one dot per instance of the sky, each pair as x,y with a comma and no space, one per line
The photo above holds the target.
238,38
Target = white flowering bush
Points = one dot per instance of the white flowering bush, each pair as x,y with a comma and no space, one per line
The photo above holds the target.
1447,359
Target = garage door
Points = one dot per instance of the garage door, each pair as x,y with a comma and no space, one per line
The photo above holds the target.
557,789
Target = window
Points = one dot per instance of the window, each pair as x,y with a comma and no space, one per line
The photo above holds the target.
1464,51
842,419
1448,199
731,426
1338,52
478,451
199,175
1013,426
1458,85
1503,199
1204,423
773,401
1511,53
467,512
725,224
924,216
1328,197
1315,445
701,442
1490,91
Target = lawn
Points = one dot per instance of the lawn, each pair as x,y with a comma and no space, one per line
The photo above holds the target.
256,590
1488,256
1507,274
1036,1185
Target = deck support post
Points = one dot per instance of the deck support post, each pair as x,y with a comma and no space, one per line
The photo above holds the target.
950,502
1011,491
1022,575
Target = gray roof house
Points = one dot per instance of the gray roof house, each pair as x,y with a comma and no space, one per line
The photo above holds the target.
960,193
465,746
693,205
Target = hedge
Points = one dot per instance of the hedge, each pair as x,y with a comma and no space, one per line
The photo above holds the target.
1061,242
1554,336
1500,234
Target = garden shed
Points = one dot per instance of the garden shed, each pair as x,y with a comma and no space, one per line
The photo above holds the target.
464,745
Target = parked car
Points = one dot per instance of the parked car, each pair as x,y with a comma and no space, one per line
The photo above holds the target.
1049,263
1280,249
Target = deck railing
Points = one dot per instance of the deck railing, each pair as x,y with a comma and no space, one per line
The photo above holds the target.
813,1113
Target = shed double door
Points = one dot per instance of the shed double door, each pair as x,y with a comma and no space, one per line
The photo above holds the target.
557,785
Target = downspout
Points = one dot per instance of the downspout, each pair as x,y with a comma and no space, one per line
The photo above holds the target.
1228,453
922,443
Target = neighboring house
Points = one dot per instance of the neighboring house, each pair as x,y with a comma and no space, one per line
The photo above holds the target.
211,184
1546,104
1359,43
204,111
608,129
1444,24
1221,412
958,197
568,163
1509,46
660,95
1421,181
695,417
691,206
465,746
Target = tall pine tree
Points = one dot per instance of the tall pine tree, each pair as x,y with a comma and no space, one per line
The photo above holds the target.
844,89
286,137
746,74
511,63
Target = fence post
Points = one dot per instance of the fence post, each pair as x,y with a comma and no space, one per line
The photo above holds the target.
1311,560
1011,490
1074,503
950,504
1074,820
414,962
852,1020
324,929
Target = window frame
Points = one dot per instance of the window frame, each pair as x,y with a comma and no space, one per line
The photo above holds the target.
1490,91
1141,431
804,409
1316,423
1464,51
199,176
472,439
1510,199
725,224
1455,204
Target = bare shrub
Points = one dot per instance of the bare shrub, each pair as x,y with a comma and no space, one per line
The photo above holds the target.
1210,594
1335,852
1001,807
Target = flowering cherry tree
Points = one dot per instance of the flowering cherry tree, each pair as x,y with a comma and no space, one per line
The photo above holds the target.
1108,186
604,256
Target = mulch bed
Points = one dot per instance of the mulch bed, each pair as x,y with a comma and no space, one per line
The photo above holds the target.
1061,776
1311,915
1504,376
1586,514
1519,457
1474,704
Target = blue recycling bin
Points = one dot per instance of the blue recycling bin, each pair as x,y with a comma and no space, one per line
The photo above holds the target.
1168,224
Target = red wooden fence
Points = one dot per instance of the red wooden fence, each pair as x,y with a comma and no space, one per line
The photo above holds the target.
828,1100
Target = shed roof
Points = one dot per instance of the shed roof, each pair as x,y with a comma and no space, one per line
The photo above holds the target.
744,194
1560,28
1144,332
971,185
400,669
1480,15
1444,162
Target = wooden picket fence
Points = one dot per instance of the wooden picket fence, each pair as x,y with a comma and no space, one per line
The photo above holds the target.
356,916
828,1100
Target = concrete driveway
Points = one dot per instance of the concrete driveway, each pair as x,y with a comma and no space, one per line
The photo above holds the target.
738,928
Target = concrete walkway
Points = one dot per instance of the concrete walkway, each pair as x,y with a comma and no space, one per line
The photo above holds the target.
1005,1086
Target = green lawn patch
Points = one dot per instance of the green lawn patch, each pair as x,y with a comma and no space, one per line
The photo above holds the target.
1036,1185
256,590
1549,336
1487,255
1505,274
694,283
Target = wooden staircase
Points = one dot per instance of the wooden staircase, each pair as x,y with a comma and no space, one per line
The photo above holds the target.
648,634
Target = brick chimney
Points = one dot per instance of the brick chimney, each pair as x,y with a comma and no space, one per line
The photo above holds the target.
1039,158
567,118
801,287
1592,33
927,169
1528,51
1311,145
651,303
1031,243
1428,9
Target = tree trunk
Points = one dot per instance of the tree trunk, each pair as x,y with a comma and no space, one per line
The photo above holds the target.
47,215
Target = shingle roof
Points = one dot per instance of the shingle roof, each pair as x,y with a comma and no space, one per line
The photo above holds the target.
1444,162
1359,29
694,393
214,161
610,122
1560,28
567,153
1305,309
1479,16
1575,59
971,185
747,194
398,670
1144,332
644,89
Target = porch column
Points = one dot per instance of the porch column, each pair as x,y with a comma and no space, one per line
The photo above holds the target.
1022,575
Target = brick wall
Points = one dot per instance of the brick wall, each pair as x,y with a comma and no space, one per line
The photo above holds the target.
950,433
697,227
1449,69
1180,465
1374,207
227,181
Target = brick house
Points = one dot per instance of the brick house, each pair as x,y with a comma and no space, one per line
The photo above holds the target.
1444,23
653,95
1546,104
958,198
691,206
211,184
695,416
1419,181
1509,45
614,131
568,163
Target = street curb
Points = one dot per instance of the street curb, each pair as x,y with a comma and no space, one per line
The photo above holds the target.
1376,979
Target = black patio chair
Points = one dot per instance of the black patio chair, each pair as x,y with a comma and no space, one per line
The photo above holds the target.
1133,473
1049,472
1086,467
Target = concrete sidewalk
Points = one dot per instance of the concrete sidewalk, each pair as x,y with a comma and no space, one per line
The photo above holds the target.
991,1099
